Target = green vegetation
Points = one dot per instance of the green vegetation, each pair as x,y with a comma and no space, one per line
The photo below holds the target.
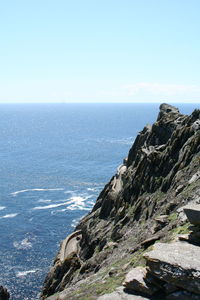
173,217
181,229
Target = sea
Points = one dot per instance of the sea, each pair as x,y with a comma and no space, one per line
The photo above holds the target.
54,161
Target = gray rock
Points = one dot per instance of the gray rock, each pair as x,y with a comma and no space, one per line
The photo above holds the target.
179,189
192,212
4,295
120,294
177,263
196,125
138,280
167,108
183,295
163,219
194,178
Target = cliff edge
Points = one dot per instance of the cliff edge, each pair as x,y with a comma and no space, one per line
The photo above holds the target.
154,197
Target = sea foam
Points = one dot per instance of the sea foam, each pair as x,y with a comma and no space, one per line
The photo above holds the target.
9,216
35,190
23,245
24,273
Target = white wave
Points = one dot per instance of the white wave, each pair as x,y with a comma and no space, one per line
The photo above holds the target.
50,206
23,245
2,207
79,207
75,202
44,200
92,189
9,216
24,273
35,190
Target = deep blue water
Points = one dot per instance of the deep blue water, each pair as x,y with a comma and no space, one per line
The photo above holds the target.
54,161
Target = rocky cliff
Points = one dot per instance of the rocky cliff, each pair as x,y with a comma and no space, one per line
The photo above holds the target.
144,203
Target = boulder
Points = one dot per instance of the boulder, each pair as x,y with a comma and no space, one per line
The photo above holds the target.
4,295
176,263
139,280
192,212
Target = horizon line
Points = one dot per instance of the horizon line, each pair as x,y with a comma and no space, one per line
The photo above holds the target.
140,102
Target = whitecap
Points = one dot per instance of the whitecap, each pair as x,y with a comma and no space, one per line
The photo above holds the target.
2,207
9,216
95,189
75,207
50,206
44,200
79,202
23,245
91,189
24,273
36,190
75,202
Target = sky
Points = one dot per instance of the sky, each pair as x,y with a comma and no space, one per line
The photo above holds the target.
99,51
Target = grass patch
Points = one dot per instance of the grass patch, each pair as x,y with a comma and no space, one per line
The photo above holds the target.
181,229
173,217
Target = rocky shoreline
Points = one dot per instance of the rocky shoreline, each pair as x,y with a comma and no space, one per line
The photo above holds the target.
137,242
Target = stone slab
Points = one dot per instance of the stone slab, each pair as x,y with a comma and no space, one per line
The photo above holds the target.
177,263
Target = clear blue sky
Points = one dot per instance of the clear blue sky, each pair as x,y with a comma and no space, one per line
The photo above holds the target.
100,51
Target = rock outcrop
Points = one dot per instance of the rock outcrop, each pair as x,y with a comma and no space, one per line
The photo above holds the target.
142,204
4,294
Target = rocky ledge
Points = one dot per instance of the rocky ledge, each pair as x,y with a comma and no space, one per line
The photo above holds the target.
138,242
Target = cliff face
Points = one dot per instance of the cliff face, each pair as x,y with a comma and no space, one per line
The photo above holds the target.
142,203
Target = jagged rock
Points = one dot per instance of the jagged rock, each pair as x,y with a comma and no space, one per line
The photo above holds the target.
179,189
60,275
139,280
177,263
183,295
160,222
165,109
111,245
4,295
194,178
192,212
163,219
196,125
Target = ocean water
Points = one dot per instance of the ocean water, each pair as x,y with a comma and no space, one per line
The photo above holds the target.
54,161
